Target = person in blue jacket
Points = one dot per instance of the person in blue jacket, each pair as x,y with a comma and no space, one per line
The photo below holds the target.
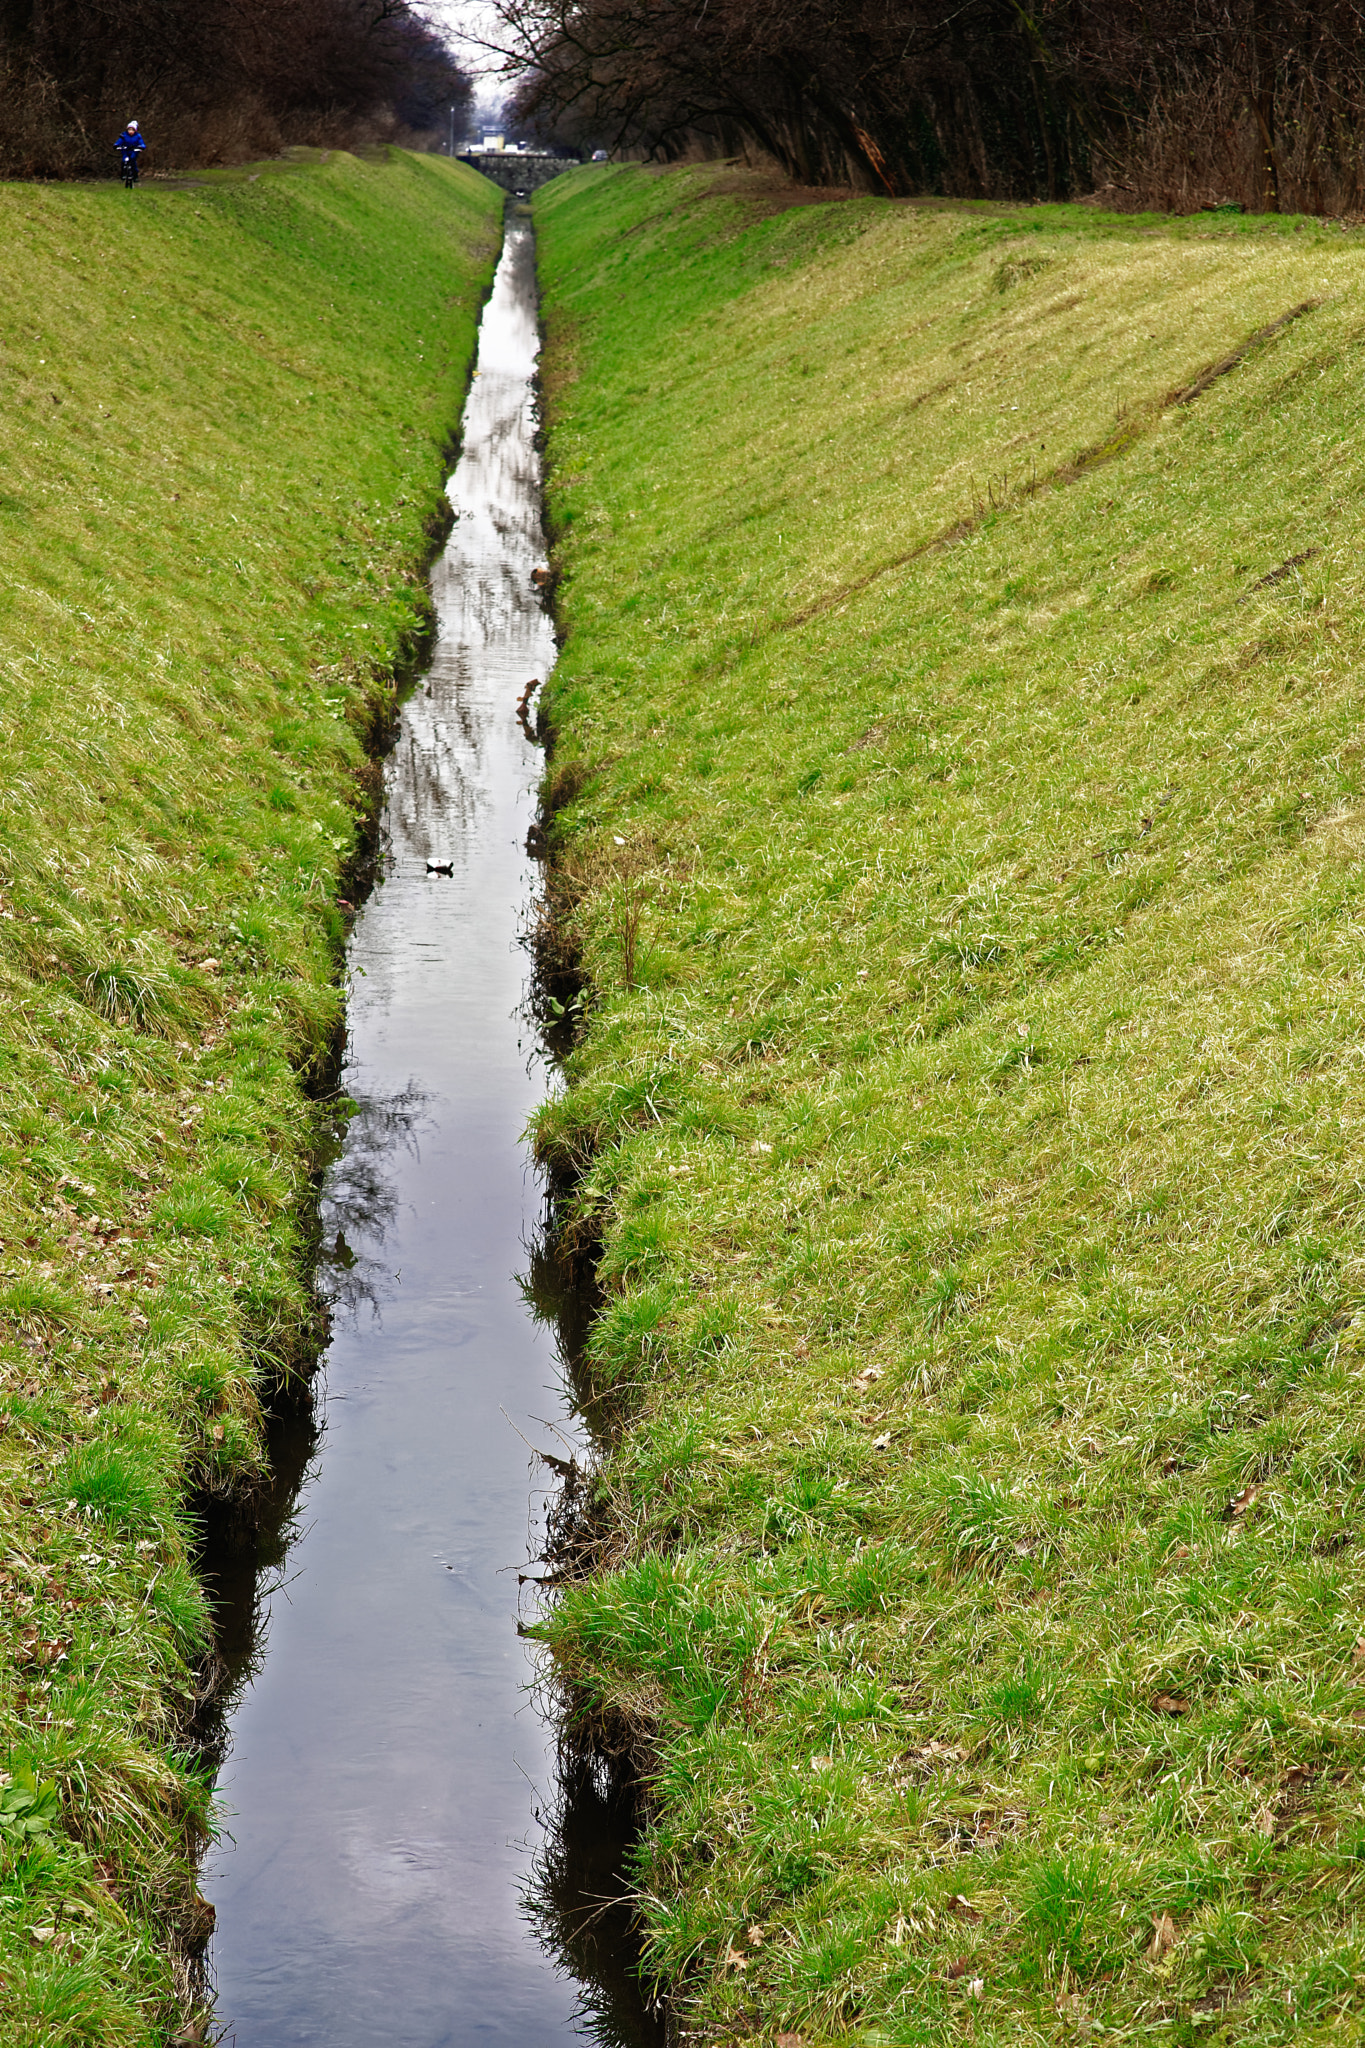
130,146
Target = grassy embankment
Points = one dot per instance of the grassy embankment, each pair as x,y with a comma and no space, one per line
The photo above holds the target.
225,411
966,624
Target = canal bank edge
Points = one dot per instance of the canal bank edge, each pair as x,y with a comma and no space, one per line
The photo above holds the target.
229,414
956,795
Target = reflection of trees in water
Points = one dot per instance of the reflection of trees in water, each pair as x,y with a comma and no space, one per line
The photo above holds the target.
435,782
359,1200
581,1900
583,1909
241,1557
560,1288
484,599
246,1537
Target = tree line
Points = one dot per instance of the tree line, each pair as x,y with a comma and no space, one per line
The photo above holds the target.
216,80
1169,103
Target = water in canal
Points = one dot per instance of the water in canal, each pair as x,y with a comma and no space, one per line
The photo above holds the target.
386,1771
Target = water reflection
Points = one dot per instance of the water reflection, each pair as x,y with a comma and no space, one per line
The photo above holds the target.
582,1904
243,1558
581,1900
559,1287
359,1203
385,1777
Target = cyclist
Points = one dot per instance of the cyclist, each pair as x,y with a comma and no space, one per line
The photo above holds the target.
130,146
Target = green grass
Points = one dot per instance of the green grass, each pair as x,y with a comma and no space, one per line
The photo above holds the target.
226,411
960,721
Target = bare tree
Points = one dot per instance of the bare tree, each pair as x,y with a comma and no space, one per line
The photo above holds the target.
1173,102
216,79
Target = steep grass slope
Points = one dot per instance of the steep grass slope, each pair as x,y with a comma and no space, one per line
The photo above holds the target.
225,411
962,785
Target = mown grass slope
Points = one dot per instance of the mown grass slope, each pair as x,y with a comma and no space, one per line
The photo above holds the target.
960,722
225,413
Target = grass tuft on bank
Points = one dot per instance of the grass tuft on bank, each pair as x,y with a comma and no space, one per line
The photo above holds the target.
960,818
227,406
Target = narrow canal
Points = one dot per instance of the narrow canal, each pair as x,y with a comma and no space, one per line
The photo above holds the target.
386,1774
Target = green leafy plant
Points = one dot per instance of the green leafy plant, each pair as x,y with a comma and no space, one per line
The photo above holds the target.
29,1807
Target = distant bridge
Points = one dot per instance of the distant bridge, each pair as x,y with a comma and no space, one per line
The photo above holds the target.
518,170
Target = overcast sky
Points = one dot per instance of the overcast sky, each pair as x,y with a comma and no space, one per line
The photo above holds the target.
466,19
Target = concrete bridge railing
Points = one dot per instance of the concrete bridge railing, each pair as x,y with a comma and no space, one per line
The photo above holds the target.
518,170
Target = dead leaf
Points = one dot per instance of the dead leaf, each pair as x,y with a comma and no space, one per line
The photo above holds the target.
958,1969
868,1374
209,966
977,1988
935,1751
756,1935
787,2041
1170,1703
1264,1822
1163,1935
1240,1502
1358,1653
962,1907
882,1442
735,1961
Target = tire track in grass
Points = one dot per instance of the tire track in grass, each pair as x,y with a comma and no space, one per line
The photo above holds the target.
1097,456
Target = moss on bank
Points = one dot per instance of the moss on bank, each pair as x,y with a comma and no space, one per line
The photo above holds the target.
960,718
227,408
